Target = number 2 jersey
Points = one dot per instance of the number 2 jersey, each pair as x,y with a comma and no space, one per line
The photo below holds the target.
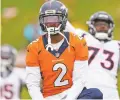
56,66
103,65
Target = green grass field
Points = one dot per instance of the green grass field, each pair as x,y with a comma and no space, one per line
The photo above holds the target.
79,12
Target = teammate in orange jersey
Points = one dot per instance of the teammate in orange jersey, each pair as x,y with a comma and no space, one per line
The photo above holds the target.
58,58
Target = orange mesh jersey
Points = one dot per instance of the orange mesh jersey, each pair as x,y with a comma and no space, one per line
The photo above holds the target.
56,66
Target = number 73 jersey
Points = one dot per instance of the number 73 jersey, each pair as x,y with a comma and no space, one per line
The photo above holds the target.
103,62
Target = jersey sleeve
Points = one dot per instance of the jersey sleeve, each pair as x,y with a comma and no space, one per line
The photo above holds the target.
69,27
33,80
32,55
21,73
81,49
81,32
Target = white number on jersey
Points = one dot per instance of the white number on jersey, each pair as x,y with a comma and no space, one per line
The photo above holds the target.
58,81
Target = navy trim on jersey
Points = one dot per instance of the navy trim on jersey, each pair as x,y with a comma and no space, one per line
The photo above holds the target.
62,47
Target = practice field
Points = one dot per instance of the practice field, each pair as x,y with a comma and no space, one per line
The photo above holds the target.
79,12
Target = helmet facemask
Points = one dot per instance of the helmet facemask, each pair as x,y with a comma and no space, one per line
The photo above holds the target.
53,21
51,24
6,67
8,56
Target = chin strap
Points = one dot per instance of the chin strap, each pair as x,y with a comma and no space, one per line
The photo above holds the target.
49,45
64,37
54,30
51,30
102,36
66,40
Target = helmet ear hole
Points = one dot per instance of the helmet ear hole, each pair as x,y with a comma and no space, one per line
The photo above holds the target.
91,31
42,27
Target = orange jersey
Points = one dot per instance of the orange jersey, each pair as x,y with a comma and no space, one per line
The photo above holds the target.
56,66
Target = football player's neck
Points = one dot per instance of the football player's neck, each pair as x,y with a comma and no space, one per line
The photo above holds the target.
56,38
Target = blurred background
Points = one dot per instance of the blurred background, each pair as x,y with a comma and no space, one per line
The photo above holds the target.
20,17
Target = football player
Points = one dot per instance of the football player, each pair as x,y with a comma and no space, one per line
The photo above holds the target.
58,58
104,55
11,78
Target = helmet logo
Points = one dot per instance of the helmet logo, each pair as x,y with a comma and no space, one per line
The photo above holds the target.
47,12
103,16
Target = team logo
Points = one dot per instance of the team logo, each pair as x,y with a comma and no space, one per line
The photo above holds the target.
57,54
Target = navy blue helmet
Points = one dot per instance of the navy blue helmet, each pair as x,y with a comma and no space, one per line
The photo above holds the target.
104,17
53,16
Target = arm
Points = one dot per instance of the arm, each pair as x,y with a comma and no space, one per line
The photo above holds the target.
33,79
70,28
78,31
33,76
79,72
81,32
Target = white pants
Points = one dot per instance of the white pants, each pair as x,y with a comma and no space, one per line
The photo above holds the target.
111,94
